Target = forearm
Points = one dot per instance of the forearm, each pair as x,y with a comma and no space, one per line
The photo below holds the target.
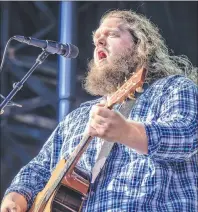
32,178
160,140
134,136
29,181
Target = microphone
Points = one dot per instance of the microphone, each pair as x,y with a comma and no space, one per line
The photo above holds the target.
66,50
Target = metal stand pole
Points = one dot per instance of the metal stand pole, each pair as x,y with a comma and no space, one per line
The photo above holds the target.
67,68
18,85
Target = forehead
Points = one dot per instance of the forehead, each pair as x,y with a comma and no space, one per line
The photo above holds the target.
111,23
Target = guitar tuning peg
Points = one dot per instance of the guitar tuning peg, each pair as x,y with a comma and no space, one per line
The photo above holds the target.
131,96
118,87
139,90
123,102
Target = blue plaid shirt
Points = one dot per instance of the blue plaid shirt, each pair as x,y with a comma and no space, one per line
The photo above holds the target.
164,180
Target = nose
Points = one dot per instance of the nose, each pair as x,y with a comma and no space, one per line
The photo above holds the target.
101,41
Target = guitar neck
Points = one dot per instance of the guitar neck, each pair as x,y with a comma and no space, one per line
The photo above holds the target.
76,154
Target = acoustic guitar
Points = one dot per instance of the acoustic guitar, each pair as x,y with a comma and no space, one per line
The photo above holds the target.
68,186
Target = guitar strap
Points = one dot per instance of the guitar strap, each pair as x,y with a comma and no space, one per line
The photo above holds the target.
124,109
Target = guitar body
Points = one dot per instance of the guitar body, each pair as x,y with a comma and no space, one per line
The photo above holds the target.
68,196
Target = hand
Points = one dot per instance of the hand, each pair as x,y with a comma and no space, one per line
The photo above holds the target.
107,124
14,202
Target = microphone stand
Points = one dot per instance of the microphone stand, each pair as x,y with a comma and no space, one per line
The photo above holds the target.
18,85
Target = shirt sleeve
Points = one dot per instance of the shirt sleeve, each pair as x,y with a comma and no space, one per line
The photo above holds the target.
173,136
32,178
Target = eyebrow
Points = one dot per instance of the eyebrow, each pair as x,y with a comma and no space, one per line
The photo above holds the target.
117,29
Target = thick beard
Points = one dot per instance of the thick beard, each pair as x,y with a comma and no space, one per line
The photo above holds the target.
105,79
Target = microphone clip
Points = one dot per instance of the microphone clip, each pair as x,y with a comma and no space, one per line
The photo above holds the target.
10,103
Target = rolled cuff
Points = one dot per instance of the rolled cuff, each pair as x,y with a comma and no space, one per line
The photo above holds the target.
169,143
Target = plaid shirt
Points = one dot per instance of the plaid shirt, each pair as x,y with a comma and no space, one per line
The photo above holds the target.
164,180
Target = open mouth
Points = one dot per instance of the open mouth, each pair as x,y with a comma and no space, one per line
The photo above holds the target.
101,55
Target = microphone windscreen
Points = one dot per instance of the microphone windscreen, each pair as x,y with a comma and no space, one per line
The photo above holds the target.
73,51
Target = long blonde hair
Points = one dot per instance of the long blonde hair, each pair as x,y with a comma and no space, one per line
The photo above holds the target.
151,50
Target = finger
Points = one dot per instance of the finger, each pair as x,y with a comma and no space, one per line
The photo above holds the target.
13,207
4,210
101,111
99,131
99,120
16,208
10,209
93,111
4,207
93,124
91,131
98,127
10,206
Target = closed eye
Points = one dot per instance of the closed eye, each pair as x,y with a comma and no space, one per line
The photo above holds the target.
113,34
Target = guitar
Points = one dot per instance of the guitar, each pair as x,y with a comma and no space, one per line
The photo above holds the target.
68,186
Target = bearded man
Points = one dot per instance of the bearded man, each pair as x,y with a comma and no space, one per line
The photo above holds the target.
153,163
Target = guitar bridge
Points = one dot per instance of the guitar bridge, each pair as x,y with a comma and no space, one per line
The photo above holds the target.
82,175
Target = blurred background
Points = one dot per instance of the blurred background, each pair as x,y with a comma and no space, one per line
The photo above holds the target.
55,87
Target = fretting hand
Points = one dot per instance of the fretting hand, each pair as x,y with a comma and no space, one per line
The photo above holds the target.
112,126
107,124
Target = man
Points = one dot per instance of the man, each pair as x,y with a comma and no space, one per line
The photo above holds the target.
153,164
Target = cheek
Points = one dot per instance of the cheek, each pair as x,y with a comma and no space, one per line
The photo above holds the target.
119,47
126,44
